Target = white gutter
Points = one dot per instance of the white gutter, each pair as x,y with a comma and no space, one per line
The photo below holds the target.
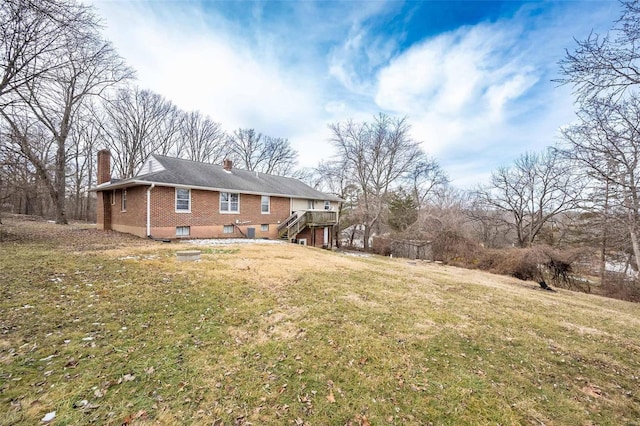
135,182
149,209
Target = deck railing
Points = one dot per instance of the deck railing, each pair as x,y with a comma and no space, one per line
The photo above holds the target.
303,218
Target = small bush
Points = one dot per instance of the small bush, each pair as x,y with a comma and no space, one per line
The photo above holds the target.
381,246
518,263
452,248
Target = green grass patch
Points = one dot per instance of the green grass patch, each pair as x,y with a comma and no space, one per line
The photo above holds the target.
110,330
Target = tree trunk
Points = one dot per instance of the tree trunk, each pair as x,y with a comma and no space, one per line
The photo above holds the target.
60,184
603,252
634,243
365,237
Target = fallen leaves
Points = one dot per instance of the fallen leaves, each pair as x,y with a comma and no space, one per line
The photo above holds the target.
71,363
331,398
359,420
140,415
593,391
127,378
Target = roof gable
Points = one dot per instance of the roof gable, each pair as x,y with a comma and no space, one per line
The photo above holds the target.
151,165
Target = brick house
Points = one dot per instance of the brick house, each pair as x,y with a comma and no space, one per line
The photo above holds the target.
176,198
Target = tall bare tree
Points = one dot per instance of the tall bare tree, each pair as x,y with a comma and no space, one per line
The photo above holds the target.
84,142
536,188
83,67
32,35
137,123
266,154
608,65
605,73
201,139
425,177
607,145
376,154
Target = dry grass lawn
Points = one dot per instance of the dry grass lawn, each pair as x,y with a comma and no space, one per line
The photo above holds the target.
105,328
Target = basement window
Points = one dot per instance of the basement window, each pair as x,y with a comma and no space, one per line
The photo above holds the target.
183,231
227,229
183,200
264,227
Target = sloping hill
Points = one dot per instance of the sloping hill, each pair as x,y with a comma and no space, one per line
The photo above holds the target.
111,329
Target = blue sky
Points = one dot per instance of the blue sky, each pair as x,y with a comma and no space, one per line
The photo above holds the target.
473,77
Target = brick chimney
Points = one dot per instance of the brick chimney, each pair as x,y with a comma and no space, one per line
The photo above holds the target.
104,166
227,164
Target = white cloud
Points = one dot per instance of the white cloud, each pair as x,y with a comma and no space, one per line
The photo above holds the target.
456,85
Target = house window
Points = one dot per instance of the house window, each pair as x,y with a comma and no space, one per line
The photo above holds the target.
124,200
311,204
113,196
183,231
264,227
229,202
227,229
265,204
183,200
327,205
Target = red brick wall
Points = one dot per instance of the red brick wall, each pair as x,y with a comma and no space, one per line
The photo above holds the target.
100,210
104,166
307,234
205,219
103,210
133,220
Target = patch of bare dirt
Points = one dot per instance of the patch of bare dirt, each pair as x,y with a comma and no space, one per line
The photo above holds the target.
76,236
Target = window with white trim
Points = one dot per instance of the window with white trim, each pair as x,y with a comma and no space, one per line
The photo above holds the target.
227,229
264,227
124,200
183,231
311,204
183,200
327,205
229,202
265,204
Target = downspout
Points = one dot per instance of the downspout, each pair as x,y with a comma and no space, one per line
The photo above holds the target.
149,209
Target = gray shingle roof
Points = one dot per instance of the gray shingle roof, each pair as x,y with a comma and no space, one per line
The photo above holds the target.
188,173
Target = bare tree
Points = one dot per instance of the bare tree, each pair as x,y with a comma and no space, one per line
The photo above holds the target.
606,65
255,151
376,155
488,225
532,191
200,139
607,145
32,35
137,123
84,137
83,68
425,177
